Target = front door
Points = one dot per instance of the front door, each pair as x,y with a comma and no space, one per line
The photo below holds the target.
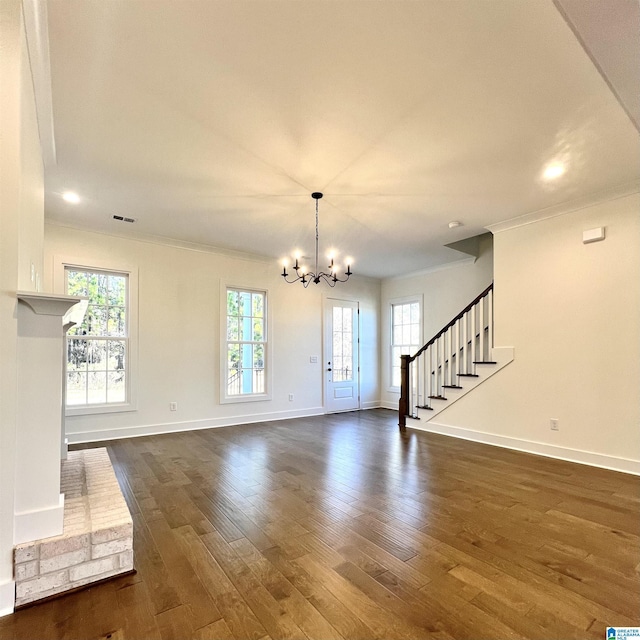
341,370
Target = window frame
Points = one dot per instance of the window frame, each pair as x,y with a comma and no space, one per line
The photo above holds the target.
417,299
60,284
225,397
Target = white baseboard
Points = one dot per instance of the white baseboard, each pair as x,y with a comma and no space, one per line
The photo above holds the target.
7,597
371,405
386,404
191,425
38,524
590,458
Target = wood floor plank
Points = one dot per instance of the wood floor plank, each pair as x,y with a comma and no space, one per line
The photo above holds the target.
240,618
293,602
384,623
322,599
104,609
541,584
191,591
337,536
136,610
148,560
218,630
175,624
266,608
453,613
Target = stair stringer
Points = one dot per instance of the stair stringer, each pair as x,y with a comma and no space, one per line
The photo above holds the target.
502,356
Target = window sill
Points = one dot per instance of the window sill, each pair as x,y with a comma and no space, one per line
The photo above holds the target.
257,397
99,408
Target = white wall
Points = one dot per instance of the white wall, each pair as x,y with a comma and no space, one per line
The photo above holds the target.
444,292
572,313
179,335
21,241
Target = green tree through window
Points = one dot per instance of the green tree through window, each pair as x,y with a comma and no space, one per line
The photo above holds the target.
97,350
246,342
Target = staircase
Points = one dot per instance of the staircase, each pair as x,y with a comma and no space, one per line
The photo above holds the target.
456,360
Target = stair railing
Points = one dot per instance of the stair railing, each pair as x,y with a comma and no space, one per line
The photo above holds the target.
450,355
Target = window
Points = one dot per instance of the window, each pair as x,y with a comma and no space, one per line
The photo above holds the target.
342,329
98,350
405,335
246,344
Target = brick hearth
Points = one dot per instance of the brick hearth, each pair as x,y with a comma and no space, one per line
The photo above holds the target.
97,540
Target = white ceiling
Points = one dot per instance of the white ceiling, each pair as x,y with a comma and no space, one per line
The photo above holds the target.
213,121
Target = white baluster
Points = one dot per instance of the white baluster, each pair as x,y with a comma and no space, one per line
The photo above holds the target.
482,325
443,363
432,375
490,322
473,338
432,370
436,369
456,351
418,377
447,357
425,373
465,350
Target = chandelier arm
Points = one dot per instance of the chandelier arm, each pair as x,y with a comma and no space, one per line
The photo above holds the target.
328,278
334,278
285,276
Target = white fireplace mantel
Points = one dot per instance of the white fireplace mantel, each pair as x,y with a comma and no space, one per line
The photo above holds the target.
48,304
39,505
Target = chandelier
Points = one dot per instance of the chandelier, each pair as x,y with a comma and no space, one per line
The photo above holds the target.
302,272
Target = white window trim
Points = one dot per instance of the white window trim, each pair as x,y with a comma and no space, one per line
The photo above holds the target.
268,365
59,286
404,300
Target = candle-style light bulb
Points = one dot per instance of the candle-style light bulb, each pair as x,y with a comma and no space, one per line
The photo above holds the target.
349,263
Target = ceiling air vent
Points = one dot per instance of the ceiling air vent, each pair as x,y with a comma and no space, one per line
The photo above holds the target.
123,219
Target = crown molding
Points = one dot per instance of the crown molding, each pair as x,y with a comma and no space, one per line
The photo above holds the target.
434,268
188,246
614,193
165,241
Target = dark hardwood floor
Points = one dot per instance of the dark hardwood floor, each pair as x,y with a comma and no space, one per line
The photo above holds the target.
341,527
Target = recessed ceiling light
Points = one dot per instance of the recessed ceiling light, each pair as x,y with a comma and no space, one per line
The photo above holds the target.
71,196
454,223
553,171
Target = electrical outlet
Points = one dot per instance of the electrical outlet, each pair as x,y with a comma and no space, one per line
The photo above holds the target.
555,424
313,359
291,397
173,406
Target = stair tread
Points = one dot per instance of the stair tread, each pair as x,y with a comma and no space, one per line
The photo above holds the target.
451,386
484,362
428,408
437,397
468,375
